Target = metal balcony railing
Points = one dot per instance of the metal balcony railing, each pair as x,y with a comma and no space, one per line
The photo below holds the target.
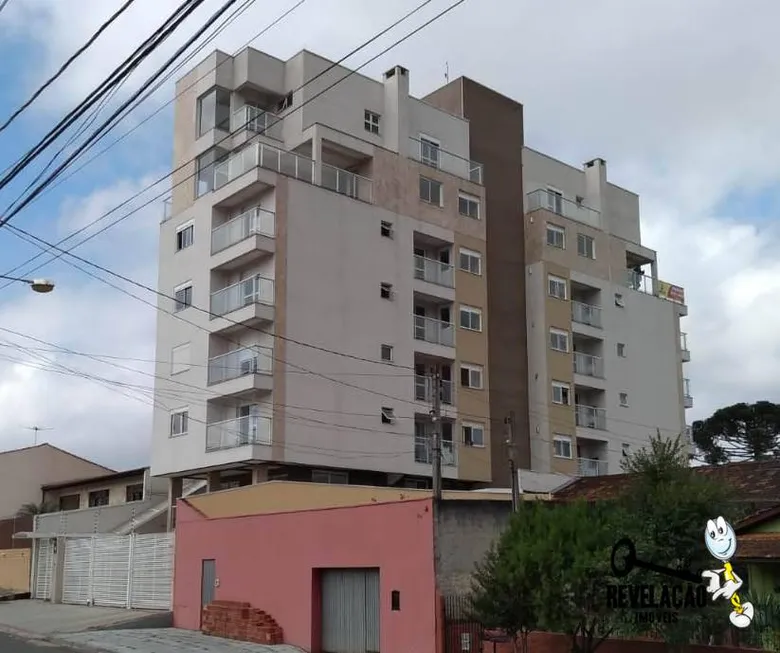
255,221
542,198
347,183
238,432
433,156
588,365
264,156
586,314
423,451
256,120
240,362
423,390
426,269
590,417
255,290
435,331
590,467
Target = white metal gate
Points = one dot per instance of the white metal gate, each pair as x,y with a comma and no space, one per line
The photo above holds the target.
122,571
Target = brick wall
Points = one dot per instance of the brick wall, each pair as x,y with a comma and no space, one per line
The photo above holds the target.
240,621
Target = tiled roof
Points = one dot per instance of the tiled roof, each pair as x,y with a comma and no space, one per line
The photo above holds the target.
756,546
759,517
757,482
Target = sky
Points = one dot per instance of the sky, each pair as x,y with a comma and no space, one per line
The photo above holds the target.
674,96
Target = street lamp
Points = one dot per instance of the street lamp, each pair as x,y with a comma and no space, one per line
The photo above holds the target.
38,285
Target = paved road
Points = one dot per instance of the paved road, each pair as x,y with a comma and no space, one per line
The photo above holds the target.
9,644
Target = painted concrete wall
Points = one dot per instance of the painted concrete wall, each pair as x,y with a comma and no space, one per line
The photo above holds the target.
93,520
270,561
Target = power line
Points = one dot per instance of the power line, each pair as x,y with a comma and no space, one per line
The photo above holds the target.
294,109
153,90
67,63
3,3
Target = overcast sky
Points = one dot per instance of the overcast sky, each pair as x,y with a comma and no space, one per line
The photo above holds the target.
679,98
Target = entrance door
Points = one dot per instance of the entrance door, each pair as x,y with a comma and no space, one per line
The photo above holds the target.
208,577
350,610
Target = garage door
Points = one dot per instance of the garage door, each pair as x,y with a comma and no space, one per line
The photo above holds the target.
350,610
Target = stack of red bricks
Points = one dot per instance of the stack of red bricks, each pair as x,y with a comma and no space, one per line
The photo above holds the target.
240,621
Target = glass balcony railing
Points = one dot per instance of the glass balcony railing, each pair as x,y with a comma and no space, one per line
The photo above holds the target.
255,290
255,221
586,314
426,269
347,183
554,202
590,417
434,331
423,451
590,467
433,156
238,432
240,362
423,390
642,283
588,365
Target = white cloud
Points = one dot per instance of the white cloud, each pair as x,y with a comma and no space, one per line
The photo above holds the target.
675,96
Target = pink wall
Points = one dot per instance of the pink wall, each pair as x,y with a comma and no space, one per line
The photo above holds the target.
269,561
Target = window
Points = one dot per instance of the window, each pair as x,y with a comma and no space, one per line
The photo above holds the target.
561,393
474,435
621,350
468,205
626,449
70,502
624,399
386,290
471,376
184,236
183,297
205,171
371,122
562,446
214,111
386,352
415,483
470,318
619,300
388,415
556,236
386,229
330,477
559,340
586,246
98,498
285,103
430,151
134,492
430,191
555,201
470,261
556,286
179,422
180,358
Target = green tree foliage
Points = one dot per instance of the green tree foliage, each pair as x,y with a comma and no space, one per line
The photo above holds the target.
665,509
739,432
32,509
549,571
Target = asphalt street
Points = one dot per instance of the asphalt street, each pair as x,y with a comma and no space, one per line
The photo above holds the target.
9,644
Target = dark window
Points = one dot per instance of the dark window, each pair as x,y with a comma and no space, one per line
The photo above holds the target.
134,492
214,111
70,502
184,237
98,498
183,297
206,164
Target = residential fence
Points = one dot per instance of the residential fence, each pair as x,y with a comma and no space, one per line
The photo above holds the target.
15,570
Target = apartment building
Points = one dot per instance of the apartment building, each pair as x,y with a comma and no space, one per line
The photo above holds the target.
585,340
321,255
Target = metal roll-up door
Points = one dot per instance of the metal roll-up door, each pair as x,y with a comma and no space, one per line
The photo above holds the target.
110,570
76,571
44,570
350,610
152,572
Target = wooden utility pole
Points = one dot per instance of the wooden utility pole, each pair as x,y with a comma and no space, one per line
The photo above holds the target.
509,427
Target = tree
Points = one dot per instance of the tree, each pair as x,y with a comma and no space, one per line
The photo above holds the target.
666,506
32,509
549,570
739,432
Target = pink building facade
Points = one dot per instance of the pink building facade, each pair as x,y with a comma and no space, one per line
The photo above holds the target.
278,563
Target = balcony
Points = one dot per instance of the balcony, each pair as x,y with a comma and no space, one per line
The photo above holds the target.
433,156
247,303
586,314
661,289
244,239
242,371
347,183
423,451
435,272
588,365
548,200
423,390
436,332
257,120
687,397
238,432
590,417
167,209
588,467
684,353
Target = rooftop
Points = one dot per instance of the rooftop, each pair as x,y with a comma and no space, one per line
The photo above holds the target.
90,480
757,546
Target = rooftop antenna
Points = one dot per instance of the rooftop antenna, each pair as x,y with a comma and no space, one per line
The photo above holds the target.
35,430
447,71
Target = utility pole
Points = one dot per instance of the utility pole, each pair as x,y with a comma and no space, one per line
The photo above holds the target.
509,428
436,418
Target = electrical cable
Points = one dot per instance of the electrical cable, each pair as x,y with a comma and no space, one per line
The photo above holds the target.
293,110
67,63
